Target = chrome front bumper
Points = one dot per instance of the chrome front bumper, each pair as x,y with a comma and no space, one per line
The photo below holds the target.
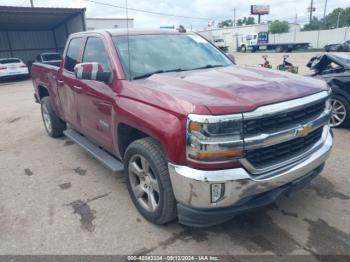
192,186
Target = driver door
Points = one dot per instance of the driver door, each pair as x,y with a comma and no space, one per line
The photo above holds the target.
95,98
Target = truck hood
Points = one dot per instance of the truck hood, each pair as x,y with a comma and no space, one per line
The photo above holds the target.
224,90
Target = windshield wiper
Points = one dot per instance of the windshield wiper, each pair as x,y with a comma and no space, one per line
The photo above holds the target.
158,72
207,66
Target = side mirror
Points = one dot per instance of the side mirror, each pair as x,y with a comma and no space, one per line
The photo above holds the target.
92,71
231,57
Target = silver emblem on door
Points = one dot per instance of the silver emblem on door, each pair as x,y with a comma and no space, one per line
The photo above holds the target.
103,124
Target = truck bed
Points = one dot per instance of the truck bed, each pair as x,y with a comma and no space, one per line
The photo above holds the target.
284,46
42,76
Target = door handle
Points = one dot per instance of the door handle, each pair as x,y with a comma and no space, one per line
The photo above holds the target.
60,82
77,89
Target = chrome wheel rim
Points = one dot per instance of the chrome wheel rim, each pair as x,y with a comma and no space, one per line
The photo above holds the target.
338,114
144,183
47,120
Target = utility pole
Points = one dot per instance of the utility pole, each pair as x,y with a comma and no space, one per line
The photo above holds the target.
311,9
234,16
325,10
31,3
338,19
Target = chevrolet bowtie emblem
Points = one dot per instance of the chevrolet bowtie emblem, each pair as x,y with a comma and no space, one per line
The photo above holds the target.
303,131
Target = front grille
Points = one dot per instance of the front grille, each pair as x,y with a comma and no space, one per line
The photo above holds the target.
267,156
278,121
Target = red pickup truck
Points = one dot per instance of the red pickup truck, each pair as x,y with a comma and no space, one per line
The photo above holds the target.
198,137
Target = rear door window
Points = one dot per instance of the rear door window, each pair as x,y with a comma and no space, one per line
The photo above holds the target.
51,57
72,55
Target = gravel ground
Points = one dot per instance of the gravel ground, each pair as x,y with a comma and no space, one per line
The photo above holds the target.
56,199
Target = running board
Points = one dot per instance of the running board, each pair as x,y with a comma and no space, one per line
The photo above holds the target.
106,159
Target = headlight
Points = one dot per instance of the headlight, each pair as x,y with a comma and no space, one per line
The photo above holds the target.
214,138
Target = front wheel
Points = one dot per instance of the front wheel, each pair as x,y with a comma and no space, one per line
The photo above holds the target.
340,116
148,181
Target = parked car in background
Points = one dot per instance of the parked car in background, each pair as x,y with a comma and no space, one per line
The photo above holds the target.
339,47
335,70
49,59
198,137
11,68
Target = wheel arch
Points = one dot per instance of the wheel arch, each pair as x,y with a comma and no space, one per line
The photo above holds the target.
135,120
127,134
42,92
340,92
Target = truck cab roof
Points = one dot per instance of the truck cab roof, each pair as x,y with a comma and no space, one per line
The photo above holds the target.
131,31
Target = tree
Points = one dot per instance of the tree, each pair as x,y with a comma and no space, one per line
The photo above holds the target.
246,21
250,21
331,20
225,23
314,25
277,27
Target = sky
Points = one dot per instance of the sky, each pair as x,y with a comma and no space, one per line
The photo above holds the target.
200,11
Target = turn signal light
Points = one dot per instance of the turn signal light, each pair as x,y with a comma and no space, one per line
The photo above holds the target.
195,126
222,154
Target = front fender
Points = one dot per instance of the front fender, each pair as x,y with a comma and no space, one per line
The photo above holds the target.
166,127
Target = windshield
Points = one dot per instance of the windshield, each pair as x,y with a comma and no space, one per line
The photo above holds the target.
10,61
151,54
51,57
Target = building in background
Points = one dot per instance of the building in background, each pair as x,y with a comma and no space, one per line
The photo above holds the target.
108,23
232,35
26,32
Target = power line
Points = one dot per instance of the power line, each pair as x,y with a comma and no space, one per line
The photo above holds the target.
147,11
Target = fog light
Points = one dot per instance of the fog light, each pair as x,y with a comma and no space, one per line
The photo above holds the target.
217,192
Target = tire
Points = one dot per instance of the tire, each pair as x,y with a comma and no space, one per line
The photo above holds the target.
53,124
340,101
279,49
148,149
243,49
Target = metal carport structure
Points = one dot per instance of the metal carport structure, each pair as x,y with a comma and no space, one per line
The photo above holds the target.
27,31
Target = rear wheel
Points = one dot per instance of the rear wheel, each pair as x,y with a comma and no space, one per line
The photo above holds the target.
53,124
148,181
340,116
279,49
243,49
